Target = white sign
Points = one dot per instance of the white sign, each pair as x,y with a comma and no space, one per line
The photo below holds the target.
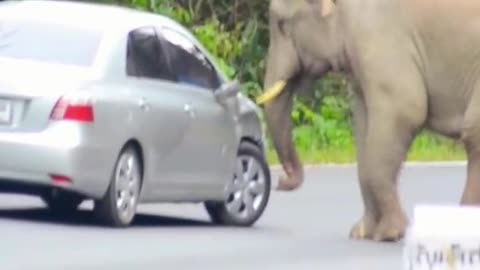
443,238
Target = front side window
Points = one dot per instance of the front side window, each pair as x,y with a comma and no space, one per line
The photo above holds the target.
188,63
145,57
48,42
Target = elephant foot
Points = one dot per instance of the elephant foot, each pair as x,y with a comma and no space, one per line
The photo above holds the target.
288,184
391,228
363,229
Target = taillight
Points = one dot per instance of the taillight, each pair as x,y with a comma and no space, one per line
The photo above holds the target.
73,109
60,180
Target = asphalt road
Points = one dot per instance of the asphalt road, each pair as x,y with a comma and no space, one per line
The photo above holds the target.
301,230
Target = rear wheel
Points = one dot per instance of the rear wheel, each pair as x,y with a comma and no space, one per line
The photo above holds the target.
248,191
119,205
61,203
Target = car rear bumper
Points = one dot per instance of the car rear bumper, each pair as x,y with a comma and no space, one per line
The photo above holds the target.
31,159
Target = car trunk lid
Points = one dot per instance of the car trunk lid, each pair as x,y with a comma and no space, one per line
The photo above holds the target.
29,92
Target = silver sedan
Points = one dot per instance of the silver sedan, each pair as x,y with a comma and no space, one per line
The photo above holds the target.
123,107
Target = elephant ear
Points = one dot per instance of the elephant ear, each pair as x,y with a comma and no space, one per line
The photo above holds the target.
326,7
286,9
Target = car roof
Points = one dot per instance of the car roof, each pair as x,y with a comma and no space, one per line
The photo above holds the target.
92,15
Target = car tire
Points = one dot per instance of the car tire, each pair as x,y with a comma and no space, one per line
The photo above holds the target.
118,207
61,203
230,214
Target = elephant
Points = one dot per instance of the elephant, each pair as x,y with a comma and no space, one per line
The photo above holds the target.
412,65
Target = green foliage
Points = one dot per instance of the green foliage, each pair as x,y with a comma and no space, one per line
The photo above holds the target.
236,34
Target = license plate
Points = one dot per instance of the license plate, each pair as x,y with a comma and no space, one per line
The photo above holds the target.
5,111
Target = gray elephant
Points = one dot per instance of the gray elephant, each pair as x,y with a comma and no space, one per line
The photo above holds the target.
412,65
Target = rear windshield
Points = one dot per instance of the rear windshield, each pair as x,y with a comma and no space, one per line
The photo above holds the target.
48,42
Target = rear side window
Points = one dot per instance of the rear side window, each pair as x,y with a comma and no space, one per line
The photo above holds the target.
48,42
188,63
145,57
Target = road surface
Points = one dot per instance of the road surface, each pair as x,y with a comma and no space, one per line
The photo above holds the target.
301,230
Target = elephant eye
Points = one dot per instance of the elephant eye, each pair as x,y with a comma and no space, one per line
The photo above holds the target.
281,26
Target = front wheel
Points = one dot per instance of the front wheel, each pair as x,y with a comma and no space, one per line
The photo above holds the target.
118,206
247,193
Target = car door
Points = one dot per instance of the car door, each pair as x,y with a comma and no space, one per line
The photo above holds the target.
164,122
209,146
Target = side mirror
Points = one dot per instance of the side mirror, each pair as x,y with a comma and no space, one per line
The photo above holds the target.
227,90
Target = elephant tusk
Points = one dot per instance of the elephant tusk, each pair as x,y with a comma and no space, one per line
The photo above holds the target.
361,230
272,92
449,258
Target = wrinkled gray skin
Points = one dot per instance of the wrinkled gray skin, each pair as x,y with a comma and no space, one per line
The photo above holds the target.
413,64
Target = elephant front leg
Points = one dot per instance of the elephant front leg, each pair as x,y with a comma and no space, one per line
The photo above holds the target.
366,226
390,131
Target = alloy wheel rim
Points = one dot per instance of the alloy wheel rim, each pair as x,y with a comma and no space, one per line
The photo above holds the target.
127,180
246,191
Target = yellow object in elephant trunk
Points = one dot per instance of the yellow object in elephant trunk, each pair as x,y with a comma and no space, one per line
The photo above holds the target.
272,92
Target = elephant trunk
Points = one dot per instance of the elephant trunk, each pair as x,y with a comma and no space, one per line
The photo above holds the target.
279,123
282,66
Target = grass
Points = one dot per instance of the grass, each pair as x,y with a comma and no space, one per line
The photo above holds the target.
425,148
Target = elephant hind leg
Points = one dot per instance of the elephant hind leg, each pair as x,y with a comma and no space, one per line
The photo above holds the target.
471,140
471,191
366,226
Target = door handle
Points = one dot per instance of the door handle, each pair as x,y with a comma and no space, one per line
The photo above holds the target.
143,104
189,110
